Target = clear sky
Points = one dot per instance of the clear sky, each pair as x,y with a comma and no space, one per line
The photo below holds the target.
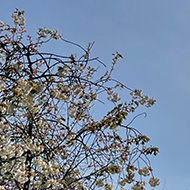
154,38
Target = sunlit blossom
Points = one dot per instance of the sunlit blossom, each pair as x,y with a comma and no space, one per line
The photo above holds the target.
154,182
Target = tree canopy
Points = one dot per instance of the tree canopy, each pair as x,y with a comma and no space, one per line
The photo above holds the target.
50,138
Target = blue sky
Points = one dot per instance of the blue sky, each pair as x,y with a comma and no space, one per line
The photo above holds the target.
153,36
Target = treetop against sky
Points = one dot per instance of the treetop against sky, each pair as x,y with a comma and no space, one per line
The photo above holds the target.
49,136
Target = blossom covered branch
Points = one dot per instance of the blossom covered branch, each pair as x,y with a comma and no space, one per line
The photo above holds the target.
49,136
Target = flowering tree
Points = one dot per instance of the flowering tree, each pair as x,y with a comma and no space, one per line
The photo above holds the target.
49,137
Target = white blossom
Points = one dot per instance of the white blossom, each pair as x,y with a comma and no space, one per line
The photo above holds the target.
108,186
43,32
138,93
2,188
24,86
150,102
63,71
81,186
123,182
18,17
72,111
154,182
39,162
77,90
40,87
2,24
99,183
144,171
139,186
2,85
18,66
19,173
114,97
3,107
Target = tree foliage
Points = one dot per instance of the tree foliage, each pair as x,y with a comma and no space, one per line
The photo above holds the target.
49,136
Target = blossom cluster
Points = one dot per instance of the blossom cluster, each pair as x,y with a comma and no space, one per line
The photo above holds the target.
18,17
43,32
145,171
143,100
